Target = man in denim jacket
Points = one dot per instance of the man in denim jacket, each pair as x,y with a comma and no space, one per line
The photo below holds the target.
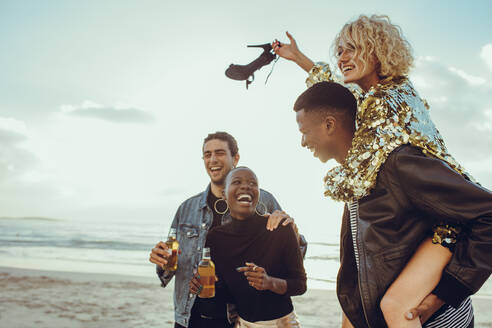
193,219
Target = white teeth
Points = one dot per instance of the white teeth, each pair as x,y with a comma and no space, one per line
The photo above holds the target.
215,168
244,198
347,68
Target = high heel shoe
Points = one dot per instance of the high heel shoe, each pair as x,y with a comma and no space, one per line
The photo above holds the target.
266,46
245,72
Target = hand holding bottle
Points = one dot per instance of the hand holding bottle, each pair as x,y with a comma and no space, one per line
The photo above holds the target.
165,254
195,285
159,254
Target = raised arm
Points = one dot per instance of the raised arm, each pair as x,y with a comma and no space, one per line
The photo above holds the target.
290,51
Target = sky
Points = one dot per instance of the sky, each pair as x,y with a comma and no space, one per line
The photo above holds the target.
104,104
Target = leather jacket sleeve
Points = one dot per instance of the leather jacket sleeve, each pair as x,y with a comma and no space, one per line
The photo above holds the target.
445,195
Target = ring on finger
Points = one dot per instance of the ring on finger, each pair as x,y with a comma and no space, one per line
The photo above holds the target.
254,268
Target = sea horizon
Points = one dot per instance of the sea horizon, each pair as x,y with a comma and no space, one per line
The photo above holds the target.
42,243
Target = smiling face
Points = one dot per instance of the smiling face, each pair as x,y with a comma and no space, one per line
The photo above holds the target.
241,193
354,69
316,134
218,160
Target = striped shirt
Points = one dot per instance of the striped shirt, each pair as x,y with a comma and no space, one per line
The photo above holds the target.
453,318
449,317
354,216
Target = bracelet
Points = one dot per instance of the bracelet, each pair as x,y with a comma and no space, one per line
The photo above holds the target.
445,235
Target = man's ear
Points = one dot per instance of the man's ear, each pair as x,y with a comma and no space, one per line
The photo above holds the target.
330,124
236,159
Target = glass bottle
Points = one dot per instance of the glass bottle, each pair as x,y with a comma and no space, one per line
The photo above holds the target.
172,248
206,270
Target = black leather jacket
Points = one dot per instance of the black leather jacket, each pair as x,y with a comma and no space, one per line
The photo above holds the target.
412,193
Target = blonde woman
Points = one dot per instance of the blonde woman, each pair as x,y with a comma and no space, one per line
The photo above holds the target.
374,61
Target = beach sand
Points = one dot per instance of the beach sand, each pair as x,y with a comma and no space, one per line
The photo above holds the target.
32,298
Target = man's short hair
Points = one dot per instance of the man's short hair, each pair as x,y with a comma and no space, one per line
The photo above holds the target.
329,97
224,136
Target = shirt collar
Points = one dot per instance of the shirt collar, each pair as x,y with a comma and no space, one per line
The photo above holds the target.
203,198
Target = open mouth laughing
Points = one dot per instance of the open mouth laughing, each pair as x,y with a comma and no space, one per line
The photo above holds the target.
347,68
215,169
245,199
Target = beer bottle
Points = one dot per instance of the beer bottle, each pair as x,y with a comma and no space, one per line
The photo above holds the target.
173,247
206,270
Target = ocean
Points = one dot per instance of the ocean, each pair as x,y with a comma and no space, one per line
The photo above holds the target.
118,247
97,246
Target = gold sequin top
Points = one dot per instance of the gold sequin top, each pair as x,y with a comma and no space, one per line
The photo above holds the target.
389,115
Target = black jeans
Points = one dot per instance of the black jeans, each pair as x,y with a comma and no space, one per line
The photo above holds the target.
198,321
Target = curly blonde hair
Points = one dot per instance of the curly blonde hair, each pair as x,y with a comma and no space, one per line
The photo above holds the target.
377,36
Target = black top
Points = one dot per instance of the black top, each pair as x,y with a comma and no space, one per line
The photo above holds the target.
221,206
214,307
277,251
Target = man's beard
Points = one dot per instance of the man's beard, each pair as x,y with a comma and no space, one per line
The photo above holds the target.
220,182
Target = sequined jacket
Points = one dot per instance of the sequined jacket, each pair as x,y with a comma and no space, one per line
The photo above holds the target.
388,116
412,192
192,221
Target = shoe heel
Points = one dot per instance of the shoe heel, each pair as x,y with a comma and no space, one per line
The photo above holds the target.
266,46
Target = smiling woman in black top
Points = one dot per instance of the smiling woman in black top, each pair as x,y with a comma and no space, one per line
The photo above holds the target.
261,269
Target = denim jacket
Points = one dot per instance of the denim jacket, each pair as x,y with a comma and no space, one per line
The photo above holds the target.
192,221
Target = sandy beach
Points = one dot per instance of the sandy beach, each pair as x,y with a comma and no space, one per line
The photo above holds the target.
33,298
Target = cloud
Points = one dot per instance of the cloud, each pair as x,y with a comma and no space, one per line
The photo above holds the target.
14,160
471,79
486,55
460,107
23,187
12,131
89,109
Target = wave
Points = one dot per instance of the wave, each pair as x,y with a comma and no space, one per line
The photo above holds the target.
323,244
105,261
77,243
323,257
323,280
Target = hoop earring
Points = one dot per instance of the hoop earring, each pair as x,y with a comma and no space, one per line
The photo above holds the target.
264,207
215,206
